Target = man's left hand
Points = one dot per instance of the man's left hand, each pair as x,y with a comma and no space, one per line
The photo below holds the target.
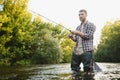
75,32
78,33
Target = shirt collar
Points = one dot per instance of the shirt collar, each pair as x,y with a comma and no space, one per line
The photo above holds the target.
84,23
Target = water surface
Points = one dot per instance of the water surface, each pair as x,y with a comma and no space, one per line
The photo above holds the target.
110,71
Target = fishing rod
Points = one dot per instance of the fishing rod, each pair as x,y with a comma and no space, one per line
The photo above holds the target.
50,20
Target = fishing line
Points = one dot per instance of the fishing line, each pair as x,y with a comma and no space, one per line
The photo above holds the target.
49,20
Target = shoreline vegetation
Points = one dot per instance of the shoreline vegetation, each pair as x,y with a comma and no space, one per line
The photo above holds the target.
26,39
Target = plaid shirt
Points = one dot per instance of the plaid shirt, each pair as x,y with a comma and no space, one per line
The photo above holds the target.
87,41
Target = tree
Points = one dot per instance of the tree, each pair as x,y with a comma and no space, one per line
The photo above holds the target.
46,45
25,37
15,31
108,49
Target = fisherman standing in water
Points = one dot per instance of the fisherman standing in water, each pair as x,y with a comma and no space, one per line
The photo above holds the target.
83,50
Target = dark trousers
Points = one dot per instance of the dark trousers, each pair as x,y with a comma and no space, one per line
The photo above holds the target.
85,58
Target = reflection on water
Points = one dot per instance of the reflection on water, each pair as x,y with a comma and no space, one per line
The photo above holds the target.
111,71
84,76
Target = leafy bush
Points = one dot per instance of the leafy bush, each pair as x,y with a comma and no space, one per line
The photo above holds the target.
108,49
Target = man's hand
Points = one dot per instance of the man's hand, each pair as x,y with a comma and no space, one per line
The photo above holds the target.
70,35
77,33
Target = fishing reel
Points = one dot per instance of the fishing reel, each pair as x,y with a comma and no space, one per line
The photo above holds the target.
70,35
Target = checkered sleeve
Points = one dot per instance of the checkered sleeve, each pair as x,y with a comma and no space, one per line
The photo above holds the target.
89,32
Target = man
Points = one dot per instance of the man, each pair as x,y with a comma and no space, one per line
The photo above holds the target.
83,36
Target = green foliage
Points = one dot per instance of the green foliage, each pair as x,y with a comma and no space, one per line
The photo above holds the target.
23,62
26,39
47,48
67,47
15,31
108,49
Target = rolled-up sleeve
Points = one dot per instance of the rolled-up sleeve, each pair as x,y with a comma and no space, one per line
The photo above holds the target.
88,34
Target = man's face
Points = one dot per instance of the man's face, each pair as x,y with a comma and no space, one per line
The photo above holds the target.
82,16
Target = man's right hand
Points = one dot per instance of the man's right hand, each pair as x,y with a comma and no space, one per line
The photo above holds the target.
70,35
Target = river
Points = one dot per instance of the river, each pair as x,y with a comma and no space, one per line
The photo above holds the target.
110,71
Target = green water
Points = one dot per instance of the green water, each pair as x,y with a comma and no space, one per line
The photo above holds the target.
110,71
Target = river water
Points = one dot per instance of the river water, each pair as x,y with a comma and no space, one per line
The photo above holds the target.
110,71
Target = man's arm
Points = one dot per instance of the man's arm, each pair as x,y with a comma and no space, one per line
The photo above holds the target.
78,33
88,34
